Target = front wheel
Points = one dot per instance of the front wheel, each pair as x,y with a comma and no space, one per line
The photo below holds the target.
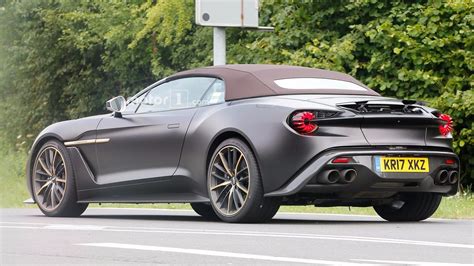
416,207
53,184
235,185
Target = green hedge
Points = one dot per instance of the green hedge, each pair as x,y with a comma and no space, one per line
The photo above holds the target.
63,59
421,50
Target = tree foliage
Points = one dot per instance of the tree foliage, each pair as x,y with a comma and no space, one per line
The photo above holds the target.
62,59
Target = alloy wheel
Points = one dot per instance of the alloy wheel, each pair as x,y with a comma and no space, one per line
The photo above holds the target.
49,178
229,180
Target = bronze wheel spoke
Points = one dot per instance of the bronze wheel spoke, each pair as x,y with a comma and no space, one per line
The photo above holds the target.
221,194
60,169
61,190
43,187
53,163
245,178
46,195
223,184
50,160
50,156
223,199
41,172
61,180
230,199
237,164
56,192
220,168
52,196
224,162
234,158
45,168
242,188
240,197
41,180
229,159
219,177
235,199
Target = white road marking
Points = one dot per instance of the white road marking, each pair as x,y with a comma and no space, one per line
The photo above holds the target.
215,253
74,227
162,230
374,217
19,227
402,262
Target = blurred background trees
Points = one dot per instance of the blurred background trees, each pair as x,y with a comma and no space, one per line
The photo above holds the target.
63,59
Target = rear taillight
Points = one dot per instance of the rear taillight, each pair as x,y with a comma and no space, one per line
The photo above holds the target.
304,122
446,128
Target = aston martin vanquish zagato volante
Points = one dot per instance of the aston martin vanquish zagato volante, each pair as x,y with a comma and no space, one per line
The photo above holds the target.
239,141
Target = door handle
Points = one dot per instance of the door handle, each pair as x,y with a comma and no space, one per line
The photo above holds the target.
175,125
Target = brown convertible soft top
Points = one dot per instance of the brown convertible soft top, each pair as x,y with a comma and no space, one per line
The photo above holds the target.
247,81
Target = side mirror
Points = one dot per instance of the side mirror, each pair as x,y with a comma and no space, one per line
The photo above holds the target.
116,105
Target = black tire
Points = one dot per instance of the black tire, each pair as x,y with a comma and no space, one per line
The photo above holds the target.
416,207
256,208
67,205
205,210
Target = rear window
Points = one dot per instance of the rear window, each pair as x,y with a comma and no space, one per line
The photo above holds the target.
317,83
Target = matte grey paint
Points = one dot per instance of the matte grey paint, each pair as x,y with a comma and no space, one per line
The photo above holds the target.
142,146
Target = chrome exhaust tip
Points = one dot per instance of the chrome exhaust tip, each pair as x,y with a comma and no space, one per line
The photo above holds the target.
348,176
329,177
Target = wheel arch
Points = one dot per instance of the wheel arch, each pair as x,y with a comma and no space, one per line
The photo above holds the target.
39,142
227,134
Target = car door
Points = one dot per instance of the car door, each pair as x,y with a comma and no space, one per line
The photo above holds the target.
146,143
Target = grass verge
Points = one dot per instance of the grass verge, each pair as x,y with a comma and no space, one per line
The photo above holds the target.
12,179
13,192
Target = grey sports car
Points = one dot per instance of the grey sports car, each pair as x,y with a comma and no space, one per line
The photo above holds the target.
238,141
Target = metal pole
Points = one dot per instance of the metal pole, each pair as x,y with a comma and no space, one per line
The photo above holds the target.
219,48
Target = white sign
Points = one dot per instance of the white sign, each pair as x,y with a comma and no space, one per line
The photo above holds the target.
227,13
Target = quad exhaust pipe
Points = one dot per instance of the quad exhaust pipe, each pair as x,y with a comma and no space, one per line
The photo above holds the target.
444,177
334,176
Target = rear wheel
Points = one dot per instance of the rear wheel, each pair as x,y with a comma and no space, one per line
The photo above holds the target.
205,210
235,185
53,184
416,207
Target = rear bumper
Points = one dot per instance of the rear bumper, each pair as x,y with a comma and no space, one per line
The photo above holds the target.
369,182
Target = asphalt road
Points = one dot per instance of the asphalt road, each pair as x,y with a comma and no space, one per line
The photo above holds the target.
143,236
